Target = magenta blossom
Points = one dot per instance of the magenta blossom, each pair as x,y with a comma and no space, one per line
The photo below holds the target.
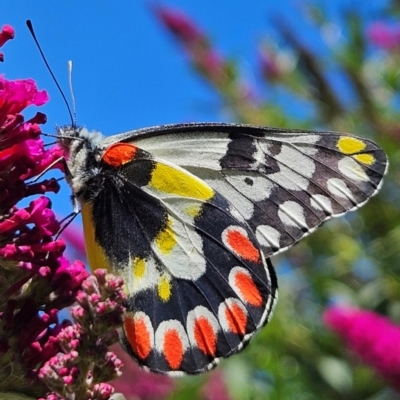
385,36
203,55
7,33
271,68
180,25
372,337
215,387
31,262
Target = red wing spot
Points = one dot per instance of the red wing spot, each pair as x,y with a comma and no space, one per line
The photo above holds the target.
119,154
138,336
173,348
242,245
248,289
237,319
205,336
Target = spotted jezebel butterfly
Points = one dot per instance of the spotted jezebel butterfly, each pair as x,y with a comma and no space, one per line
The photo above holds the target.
189,215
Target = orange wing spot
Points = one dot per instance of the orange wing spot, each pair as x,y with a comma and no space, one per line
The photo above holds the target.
173,348
119,154
242,245
237,319
248,289
205,336
138,336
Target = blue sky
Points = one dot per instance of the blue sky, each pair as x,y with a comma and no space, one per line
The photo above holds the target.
128,73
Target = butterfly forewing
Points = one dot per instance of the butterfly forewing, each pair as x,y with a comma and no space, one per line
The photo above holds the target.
284,183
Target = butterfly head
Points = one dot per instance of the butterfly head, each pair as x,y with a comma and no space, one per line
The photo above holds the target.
70,137
82,151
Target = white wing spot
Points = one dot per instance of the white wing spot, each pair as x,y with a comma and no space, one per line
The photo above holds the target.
189,150
297,178
304,164
339,188
148,279
292,214
352,169
268,236
185,259
321,202
259,189
245,206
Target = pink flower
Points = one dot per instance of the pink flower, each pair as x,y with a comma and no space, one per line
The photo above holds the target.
372,337
385,36
215,387
270,67
204,57
180,25
74,237
16,95
7,33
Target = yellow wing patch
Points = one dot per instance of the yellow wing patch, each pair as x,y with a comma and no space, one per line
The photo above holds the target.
139,267
166,239
178,182
193,210
164,288
349,145
367,159
95,253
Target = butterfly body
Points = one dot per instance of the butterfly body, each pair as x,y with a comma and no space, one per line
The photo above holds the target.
189,214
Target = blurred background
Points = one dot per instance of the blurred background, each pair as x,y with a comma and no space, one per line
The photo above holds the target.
335,333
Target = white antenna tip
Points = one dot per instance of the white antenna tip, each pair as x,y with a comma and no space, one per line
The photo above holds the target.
71,91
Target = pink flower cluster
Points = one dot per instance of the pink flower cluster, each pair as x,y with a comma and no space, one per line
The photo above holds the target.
209,63
84,363
372,337
36,280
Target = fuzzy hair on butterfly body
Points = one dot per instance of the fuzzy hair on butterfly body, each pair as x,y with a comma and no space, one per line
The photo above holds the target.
189,214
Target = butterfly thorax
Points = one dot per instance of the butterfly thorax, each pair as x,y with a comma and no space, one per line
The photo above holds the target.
83,152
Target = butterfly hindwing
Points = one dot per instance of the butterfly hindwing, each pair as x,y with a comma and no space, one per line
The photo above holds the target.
198,285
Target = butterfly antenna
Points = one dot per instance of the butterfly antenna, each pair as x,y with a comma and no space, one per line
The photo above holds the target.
71,91
30,27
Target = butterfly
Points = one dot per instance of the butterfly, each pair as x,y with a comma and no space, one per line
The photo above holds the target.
190,214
